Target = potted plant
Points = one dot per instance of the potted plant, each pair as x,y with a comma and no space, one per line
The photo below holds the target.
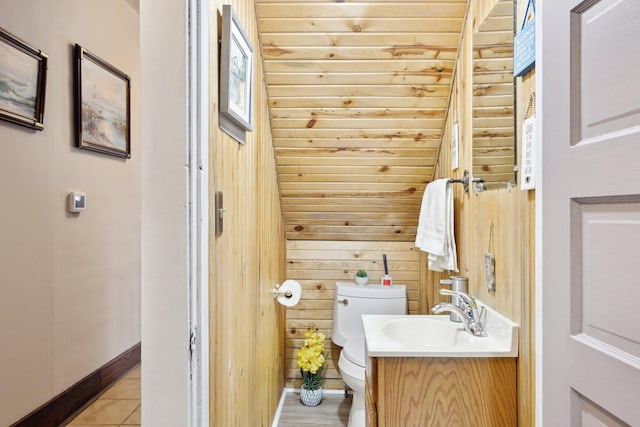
362,278
311,361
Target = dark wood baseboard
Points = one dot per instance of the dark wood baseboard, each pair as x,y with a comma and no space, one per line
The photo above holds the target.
69,401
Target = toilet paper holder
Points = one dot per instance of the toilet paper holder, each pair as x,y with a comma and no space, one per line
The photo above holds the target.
287,294
278,292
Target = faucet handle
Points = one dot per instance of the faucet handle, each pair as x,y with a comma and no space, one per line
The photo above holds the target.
468,299
477,329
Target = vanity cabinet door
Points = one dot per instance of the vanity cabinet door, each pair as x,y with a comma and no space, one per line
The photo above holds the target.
434,392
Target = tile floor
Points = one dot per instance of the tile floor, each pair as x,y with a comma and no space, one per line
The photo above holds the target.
118,406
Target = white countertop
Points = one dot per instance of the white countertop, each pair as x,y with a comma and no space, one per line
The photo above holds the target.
437,336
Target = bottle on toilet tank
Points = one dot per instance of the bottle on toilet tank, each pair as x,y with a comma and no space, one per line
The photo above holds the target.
386,279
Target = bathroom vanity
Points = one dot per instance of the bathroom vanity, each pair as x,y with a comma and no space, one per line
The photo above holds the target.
441,391
428,371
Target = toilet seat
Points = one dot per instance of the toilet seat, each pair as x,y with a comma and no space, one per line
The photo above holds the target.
350,371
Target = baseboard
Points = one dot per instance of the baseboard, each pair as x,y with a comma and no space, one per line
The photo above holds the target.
69,401
276,417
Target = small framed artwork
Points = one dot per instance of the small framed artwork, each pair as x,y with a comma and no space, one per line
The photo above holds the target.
236,77
103,104
23,78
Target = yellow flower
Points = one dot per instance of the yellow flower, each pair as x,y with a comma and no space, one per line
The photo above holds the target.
315,340
316,363
310,358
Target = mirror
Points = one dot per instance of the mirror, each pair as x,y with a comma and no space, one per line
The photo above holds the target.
493,97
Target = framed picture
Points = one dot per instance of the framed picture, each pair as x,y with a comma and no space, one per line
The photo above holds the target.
236,77
23,78
103,104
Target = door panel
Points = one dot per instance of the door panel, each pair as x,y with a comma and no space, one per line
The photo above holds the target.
605,340
605,50
588,414
607,276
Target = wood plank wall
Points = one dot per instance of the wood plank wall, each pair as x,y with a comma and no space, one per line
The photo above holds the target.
247,261
500,221
318,265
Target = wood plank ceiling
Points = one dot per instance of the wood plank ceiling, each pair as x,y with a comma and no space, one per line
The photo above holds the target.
358,92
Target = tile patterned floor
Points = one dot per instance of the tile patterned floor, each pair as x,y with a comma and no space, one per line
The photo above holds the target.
119,406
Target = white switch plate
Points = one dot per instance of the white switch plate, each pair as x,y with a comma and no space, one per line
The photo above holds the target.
77,201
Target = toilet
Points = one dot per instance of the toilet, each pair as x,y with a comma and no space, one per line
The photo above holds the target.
351,302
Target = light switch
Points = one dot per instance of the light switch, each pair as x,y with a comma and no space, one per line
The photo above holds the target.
77,201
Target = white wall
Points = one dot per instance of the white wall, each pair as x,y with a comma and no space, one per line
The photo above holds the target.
164,184
69,285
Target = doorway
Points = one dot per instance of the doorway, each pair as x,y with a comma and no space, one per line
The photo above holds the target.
175,374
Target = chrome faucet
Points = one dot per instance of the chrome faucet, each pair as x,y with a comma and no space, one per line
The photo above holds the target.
468,312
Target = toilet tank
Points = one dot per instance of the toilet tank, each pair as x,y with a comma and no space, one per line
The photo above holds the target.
352,301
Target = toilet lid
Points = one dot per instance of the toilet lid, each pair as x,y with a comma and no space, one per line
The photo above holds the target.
354,350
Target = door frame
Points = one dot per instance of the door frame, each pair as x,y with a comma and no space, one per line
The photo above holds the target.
552,122
198,209
538,222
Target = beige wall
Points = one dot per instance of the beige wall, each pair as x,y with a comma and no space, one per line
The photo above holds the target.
165,355
69,285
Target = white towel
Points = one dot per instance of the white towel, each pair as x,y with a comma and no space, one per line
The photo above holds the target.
435,226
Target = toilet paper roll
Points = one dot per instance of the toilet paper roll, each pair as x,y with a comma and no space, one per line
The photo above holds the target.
295,289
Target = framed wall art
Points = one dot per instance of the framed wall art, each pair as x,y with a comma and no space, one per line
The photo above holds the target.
236,77
23,78
103,104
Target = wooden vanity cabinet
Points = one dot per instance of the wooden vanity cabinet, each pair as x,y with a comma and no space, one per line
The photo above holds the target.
420,391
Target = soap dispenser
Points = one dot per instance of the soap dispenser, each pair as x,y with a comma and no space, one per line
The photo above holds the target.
457,284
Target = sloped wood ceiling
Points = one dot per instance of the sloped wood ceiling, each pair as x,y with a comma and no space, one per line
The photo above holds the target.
357,95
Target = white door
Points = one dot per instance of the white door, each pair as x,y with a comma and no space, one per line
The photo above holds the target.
588,213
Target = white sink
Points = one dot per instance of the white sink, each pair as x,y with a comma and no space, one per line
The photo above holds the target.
437,336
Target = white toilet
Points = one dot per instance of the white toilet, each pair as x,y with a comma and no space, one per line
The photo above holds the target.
351,302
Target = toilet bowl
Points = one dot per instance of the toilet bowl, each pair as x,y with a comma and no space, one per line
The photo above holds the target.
351,363
352,370
350,304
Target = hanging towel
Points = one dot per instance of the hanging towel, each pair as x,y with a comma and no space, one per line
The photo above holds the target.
435,226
